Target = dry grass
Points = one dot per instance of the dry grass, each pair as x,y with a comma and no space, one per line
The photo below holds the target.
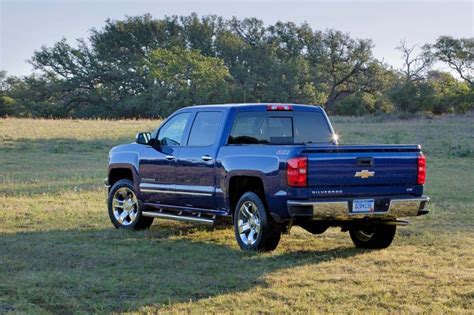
59,253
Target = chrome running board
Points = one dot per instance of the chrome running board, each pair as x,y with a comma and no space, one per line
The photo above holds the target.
188,218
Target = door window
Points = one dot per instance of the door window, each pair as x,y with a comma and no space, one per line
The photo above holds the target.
205,128
172,132
249,128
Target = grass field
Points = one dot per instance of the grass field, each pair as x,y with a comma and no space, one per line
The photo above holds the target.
60,254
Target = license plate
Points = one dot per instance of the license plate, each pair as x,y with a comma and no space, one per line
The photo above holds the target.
363,205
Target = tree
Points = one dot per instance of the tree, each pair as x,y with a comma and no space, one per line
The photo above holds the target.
284,62
146,67
200,33
457,53
414,67
183,77
412,93
338,62
449,95
6,102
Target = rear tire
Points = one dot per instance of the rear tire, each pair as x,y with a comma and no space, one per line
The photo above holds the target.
373,236
125,209
254,228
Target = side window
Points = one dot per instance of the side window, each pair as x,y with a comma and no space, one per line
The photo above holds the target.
249,128
172,132
205,127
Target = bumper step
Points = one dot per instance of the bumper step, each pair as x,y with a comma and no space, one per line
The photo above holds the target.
340,209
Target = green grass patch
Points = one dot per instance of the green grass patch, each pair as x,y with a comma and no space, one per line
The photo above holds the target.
60,254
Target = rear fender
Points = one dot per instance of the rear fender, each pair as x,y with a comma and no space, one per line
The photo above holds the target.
240,173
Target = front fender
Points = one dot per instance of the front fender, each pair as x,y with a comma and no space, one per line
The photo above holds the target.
125,157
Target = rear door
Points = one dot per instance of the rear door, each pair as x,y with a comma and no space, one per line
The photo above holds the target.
196,171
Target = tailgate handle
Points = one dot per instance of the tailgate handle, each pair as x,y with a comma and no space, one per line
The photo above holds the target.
365,161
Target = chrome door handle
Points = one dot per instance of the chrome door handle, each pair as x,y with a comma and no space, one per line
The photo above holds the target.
170,157
206,158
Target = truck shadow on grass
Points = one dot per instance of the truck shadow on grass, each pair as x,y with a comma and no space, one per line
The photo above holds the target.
113,271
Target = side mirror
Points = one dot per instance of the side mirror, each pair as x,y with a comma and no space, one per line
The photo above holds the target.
154,143
143,138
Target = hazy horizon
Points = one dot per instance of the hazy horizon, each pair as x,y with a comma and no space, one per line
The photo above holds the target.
27,25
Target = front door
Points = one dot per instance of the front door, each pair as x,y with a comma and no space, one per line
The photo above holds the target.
196,171
158,166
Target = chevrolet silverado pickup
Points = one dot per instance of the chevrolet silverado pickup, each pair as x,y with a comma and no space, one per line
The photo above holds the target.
264,168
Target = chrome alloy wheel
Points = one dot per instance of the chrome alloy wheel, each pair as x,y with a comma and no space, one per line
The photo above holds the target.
125,206
248,223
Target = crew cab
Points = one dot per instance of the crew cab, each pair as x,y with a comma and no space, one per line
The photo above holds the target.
264,168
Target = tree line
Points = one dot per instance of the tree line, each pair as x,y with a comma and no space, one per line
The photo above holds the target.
146,67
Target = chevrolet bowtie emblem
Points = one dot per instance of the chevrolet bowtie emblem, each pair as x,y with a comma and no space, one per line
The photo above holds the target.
364,174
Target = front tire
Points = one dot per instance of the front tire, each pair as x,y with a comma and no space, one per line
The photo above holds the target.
125,209
373,236
254,228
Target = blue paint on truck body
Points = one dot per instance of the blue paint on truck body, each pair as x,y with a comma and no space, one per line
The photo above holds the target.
199,177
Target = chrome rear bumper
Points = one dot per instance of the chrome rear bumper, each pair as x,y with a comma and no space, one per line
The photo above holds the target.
341,210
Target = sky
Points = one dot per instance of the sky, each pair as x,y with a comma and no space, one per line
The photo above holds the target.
26,25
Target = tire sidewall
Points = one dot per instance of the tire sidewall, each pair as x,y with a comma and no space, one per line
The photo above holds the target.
382,237
119,184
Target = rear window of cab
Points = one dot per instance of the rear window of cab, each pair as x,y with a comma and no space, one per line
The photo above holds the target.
286,127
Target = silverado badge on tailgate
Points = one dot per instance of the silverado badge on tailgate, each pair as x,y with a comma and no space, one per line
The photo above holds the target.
364,174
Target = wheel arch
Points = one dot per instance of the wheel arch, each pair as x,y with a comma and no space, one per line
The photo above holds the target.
240,184
122,171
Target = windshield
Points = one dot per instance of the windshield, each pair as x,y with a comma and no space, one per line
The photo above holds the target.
280,128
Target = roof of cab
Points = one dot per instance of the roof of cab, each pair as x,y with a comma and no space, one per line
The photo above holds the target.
251,106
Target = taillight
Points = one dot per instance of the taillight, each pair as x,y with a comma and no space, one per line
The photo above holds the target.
297,171
421,170
280,107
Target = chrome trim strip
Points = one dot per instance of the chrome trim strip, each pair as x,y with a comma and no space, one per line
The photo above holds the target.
156,186
174,192
176,217
150,180
169,189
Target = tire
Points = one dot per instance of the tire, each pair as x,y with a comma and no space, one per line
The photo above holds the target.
254,228
125,209
373,236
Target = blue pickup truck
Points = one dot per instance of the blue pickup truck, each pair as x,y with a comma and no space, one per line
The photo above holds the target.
264,168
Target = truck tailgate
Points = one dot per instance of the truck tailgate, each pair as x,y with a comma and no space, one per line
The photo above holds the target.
362,165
